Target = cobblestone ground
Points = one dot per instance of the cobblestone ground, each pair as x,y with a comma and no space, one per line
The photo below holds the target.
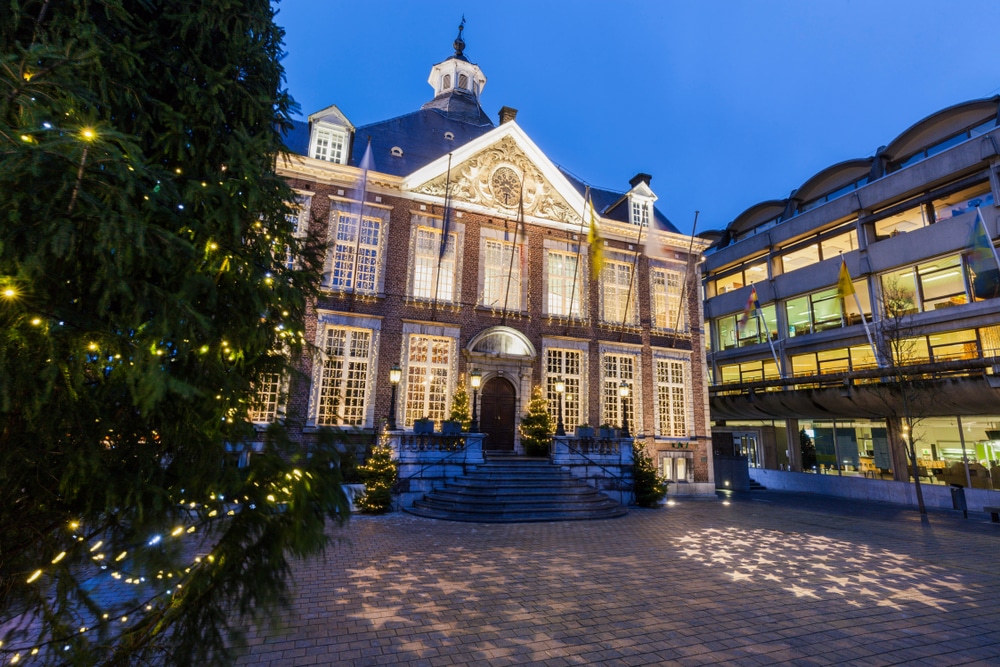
760,579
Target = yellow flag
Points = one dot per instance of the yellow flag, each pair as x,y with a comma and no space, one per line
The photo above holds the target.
596,243
844,285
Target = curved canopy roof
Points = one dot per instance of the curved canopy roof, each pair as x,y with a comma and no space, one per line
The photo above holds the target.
941,125
833,178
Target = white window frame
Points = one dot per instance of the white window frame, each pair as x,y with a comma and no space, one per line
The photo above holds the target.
621,363
425,250
270,394
560,287
640,211
339,274
616,279
342,381
495,264
672,405
554,355
665,288
329,144
299,218
435,374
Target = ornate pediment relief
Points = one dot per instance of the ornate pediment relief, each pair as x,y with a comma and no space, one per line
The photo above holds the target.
497,177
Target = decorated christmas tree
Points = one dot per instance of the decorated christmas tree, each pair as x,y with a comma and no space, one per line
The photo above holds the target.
379,474
536,426
650,487
144,294
460,407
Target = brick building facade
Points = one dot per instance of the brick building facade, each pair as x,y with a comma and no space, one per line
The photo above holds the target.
456,244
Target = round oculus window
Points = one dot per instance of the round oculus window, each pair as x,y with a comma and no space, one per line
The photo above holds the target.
506,185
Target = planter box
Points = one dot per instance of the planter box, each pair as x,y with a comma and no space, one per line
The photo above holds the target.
451,428
585,431
608,433
423,426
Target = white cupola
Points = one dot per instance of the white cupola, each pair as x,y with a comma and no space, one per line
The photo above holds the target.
457,74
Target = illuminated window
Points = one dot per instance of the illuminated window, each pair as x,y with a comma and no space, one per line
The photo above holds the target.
267,399
343,378
355,253
665,290
565,283
431,267
428,377
640,213
567,365
617,304
298,220
671,400
501,275
329,145
617,368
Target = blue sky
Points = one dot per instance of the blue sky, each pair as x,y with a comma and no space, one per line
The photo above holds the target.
725,102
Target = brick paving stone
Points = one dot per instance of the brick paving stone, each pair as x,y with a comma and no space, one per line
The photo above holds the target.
770,579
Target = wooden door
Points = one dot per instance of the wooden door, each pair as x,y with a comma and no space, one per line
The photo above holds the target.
497,410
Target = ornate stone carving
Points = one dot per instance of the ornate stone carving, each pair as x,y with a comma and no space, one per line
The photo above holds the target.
496,176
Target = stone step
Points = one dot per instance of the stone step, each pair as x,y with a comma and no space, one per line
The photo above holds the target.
516,489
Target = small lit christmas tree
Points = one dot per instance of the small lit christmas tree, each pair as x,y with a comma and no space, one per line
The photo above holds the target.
460,407
650,487
379,473
536,426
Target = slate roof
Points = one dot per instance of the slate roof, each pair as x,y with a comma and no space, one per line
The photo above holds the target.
421,136
612,205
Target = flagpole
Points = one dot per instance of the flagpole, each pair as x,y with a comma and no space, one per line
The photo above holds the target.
844,283
687,271
763,320
513,251
365,160
579,252
989,239
444,238
631,280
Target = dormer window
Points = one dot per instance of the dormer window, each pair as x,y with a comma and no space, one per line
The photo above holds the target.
328,144
446,82
640,213
396,151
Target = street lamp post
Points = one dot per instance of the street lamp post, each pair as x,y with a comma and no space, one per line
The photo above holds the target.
475,379
395,374
623,391
560,389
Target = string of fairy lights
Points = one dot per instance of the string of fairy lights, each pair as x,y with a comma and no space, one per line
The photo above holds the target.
93,549
115,568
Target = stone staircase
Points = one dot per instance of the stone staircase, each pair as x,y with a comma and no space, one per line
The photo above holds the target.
515,490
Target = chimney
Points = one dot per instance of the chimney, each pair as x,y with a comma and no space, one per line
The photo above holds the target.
507,114
640,178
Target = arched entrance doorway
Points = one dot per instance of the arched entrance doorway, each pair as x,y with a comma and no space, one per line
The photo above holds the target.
497,411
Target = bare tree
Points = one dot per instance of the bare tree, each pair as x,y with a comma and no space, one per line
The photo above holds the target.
902,387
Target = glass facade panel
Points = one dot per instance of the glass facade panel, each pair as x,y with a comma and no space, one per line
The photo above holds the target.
964,201
907,221
800,258
826,310
798,316
954,345
838,245
942,283
899,292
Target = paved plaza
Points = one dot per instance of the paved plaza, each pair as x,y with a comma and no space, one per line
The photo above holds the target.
760,579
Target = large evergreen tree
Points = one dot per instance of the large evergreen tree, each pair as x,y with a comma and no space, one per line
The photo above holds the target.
143,293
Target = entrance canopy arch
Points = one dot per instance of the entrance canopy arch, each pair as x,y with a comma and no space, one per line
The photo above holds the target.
502,342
